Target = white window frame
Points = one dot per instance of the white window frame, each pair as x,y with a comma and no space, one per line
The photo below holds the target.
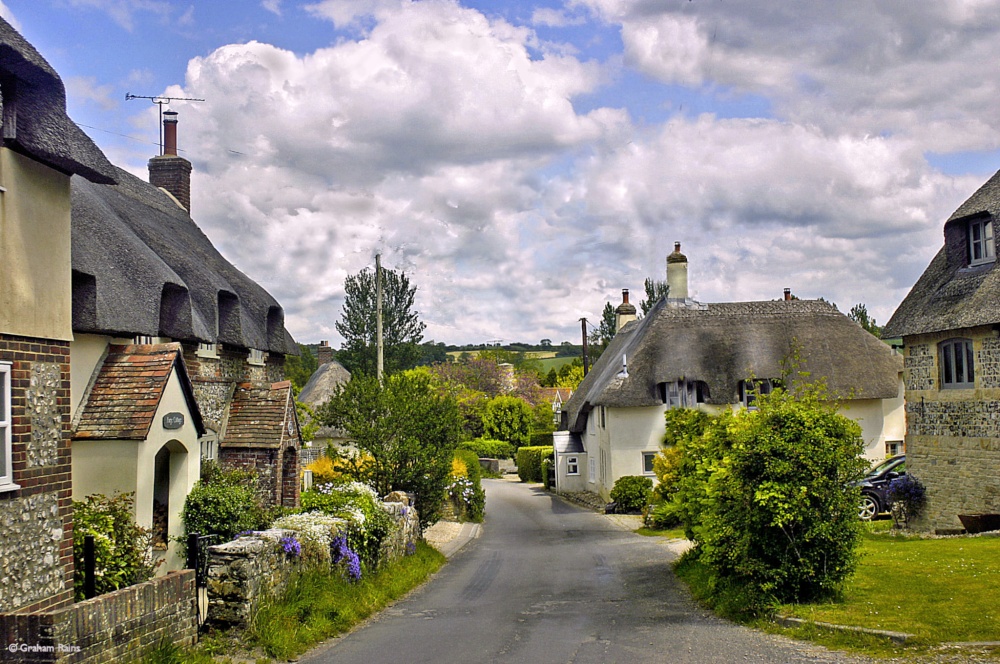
256,357
573,465
650,456
981,246
591,471
751,389
6,425
210,351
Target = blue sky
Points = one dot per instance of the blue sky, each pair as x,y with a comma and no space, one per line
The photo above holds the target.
525,161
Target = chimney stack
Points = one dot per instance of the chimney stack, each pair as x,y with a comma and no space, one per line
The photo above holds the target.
788,294
170,171
324,354
677,274
625,313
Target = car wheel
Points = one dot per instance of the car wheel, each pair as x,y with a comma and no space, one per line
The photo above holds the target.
868,509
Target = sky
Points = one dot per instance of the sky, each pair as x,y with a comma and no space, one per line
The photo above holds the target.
522,162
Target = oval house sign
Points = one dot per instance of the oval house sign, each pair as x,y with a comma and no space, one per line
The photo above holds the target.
173,420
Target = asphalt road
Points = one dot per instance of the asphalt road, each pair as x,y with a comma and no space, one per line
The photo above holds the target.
551,582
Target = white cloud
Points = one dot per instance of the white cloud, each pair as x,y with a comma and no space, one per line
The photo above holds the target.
273,6
855,66
123,11
450,143
87,89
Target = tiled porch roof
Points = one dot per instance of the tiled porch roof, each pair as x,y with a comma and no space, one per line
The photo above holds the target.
259,416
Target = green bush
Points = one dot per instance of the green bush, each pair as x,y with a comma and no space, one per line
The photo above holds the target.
764,495
507,418
224,502
123,550
529,462
540,439
546,467
487,448
471,461
632,493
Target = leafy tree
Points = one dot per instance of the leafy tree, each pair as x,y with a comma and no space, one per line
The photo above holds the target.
433,353
509,419
409,430
299,368
402,330
572,377
655,291
545,343
859,314
605,332
550,378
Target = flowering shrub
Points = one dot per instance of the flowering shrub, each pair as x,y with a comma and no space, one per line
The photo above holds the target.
468,498
907,497
341,554
314,532
367,522
291,546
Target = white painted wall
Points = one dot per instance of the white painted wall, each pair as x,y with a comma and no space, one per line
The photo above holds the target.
85,353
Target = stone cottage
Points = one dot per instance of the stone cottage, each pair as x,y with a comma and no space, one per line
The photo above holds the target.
685,353
149,289
40,149
950,327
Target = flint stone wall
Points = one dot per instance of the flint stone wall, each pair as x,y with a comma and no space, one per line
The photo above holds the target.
243,572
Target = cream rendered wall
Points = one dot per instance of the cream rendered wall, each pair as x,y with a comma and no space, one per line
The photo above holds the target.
85,353
104,466
880,420
185,469
36,281
633,431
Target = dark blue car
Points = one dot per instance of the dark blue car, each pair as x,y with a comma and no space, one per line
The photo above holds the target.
874,485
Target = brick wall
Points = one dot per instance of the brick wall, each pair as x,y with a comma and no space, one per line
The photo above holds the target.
953,435
36,527
121,626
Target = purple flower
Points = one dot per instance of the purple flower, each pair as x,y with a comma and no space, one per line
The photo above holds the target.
411,548
291,546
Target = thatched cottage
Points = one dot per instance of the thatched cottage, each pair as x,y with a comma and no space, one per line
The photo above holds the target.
950,326
684,353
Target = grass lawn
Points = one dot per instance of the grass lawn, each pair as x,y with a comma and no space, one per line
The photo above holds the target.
554,363
939,590
669,533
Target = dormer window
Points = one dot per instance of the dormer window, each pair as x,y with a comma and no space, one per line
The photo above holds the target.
683,393
981,247
256,357
751,389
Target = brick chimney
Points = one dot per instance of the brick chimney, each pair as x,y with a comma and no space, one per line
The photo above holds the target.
677,274
625,313
324,354
788,294
170,171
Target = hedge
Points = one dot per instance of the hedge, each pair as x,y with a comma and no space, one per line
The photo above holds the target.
471,460
529,462
487,448
542,439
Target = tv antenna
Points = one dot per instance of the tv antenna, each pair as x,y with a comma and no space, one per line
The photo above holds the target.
160,101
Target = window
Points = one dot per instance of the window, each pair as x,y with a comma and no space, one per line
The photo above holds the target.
208,350
683,393
591,471
604,418
572,465
647,463
142,340
6,456
256,357
894,447
981,248
751,389
957,364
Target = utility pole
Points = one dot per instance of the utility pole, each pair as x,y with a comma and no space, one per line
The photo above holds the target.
378,317
586,362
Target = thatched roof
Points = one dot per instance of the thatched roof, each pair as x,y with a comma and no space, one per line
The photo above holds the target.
34,113
142,266
723,344
320,386
950,294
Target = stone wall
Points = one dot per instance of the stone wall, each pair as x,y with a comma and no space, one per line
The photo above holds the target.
245,571
121,626
36,529
953,435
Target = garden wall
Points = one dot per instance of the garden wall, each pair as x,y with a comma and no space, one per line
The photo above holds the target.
120,626
246,570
